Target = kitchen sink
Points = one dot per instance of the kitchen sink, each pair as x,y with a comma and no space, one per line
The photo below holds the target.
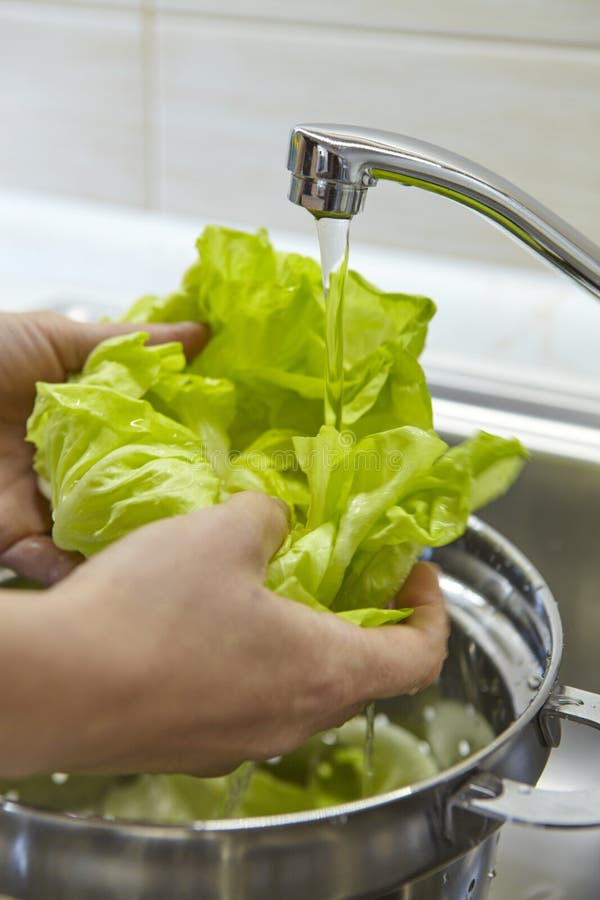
553,515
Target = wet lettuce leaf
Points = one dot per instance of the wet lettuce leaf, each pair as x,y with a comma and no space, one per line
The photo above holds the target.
325,771
140,434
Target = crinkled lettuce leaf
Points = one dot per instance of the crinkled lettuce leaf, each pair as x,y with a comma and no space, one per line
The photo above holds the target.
326,770
140,434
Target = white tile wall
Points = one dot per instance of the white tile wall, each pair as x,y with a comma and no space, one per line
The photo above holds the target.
101,4
560,20
71,110
185,105
229,91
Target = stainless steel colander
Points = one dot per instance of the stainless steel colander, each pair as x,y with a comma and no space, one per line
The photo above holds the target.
434,839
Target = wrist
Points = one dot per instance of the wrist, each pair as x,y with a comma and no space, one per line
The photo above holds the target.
33,686
60,698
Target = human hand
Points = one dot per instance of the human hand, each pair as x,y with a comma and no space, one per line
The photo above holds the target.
44,346
166,653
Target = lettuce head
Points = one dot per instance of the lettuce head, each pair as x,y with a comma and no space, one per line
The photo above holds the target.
140,434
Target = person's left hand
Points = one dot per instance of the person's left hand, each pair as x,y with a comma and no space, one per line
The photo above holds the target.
44,346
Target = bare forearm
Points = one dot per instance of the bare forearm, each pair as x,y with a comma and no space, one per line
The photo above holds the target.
66,681
54,684
30,662
123,668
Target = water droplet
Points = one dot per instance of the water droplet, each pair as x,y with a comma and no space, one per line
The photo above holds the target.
381,720
424,748
445,878
534,681
492,874
339,820
429,713
329,738
59,777
464,748
274,761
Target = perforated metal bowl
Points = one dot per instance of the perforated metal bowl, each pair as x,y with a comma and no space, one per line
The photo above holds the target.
434,839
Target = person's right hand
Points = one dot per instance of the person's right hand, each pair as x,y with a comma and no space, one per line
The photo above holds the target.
165,653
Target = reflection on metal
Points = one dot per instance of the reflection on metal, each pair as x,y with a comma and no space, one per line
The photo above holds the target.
333,166
547,436
467,878
505,652
525,804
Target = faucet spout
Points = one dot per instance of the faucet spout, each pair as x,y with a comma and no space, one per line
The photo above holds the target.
333,166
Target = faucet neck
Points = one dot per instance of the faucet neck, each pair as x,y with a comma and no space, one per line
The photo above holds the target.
333,166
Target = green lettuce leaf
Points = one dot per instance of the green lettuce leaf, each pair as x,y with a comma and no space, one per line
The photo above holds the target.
326,770
140,434
113,464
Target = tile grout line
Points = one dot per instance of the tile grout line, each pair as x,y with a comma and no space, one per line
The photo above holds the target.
150,141
371,30
327,25
132,6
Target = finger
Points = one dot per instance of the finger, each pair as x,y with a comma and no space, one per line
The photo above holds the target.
192,335
39,559
403,659
257,527
421,590
77,342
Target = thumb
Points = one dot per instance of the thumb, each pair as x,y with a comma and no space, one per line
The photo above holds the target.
37,557
77,341
402,659
257,525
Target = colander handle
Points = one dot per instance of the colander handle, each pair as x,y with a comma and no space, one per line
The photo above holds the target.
515,801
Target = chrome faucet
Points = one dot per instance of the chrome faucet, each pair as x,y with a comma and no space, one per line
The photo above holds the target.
333,166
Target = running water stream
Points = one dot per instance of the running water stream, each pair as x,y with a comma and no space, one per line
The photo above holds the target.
236,789
334,235
367,785
333,243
